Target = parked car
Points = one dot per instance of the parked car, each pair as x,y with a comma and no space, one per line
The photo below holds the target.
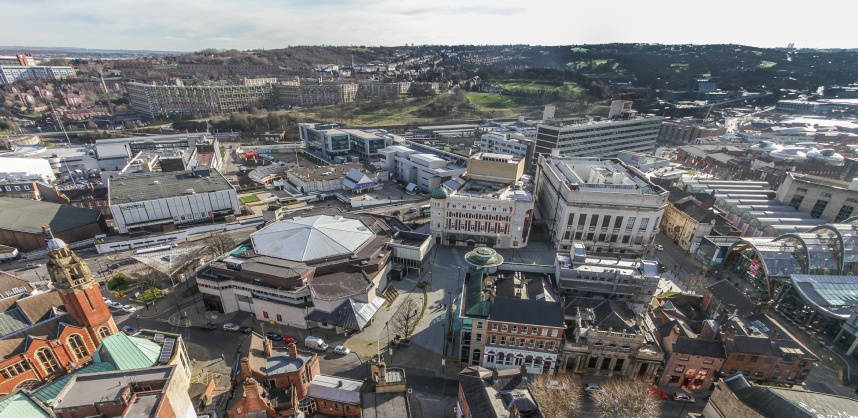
659,247
129,308
33,265
683,397
288,339
130,331
592,387
115,305
231,327
107,301
246,329
656,393
274,336
208,326
341,350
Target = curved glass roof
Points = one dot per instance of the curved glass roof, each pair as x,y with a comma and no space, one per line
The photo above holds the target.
773,212
779,258
823,255
832,296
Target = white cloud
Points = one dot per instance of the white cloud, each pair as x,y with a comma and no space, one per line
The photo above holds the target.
199,24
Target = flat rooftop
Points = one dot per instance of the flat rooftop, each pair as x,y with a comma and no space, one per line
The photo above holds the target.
30,216
328,172
89,389
163,185
491,190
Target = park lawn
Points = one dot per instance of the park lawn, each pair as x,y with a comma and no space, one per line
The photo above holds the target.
150,295
490,101
249,199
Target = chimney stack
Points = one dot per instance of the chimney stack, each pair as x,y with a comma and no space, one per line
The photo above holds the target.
244,363
730,332
267,351
523,369
773,335
494,375
293,350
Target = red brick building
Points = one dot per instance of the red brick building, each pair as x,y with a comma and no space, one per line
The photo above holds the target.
57,332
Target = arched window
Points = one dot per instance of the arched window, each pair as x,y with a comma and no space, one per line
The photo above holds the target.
103,333
47,359
77,346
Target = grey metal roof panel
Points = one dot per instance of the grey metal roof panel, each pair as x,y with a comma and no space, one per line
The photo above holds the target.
30,216
311,238
526,311
335,388
164,185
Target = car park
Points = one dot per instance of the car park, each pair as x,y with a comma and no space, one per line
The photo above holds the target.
341,350
683,397
231,327
130,331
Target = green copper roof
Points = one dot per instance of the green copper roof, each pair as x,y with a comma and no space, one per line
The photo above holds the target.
18,405
438,193
49,392
474,303
484,257
127,352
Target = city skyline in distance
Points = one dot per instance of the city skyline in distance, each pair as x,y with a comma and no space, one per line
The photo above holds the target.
193,25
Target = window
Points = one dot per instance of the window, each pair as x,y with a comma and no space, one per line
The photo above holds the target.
679,368
754,359
554,333
776,374
674,379
818,208
741,357
544,332
618,222
746,372
631,223
503,340
541,345
684,358
551,346
504,328
767,360
796,201
47,359
479,337
479,324
521,343
512,342
524,330
606,221
515,328
493,339
708,361
279,318
703,372
845,212
103,333
533,331
494,327
594,219
644,224
77,346
791,376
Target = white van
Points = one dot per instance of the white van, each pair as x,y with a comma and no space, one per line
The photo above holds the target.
315,343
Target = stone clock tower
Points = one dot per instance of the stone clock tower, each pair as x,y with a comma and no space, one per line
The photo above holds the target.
81,297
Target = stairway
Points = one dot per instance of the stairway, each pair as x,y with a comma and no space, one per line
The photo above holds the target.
390,295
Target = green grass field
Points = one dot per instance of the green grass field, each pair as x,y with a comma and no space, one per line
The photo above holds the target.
249,199
536,86
490,101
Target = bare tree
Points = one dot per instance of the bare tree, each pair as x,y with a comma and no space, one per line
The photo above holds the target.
217,244
404,321
696,282
146,279
626,398
558,396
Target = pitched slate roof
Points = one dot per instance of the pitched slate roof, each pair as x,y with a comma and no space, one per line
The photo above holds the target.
731,298
608,314
772,401
39,307
527,311
474,392
699,347
693,210
351,314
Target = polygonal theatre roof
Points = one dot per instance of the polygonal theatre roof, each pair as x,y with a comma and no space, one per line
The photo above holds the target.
311,238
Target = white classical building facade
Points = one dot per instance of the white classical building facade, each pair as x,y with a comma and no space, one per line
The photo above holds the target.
602,203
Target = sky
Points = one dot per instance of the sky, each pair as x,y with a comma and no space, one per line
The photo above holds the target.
192,25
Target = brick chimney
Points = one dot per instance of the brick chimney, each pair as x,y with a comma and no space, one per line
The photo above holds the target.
244,363
773,335
267,350
494,375
293,350
730,332
523,369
